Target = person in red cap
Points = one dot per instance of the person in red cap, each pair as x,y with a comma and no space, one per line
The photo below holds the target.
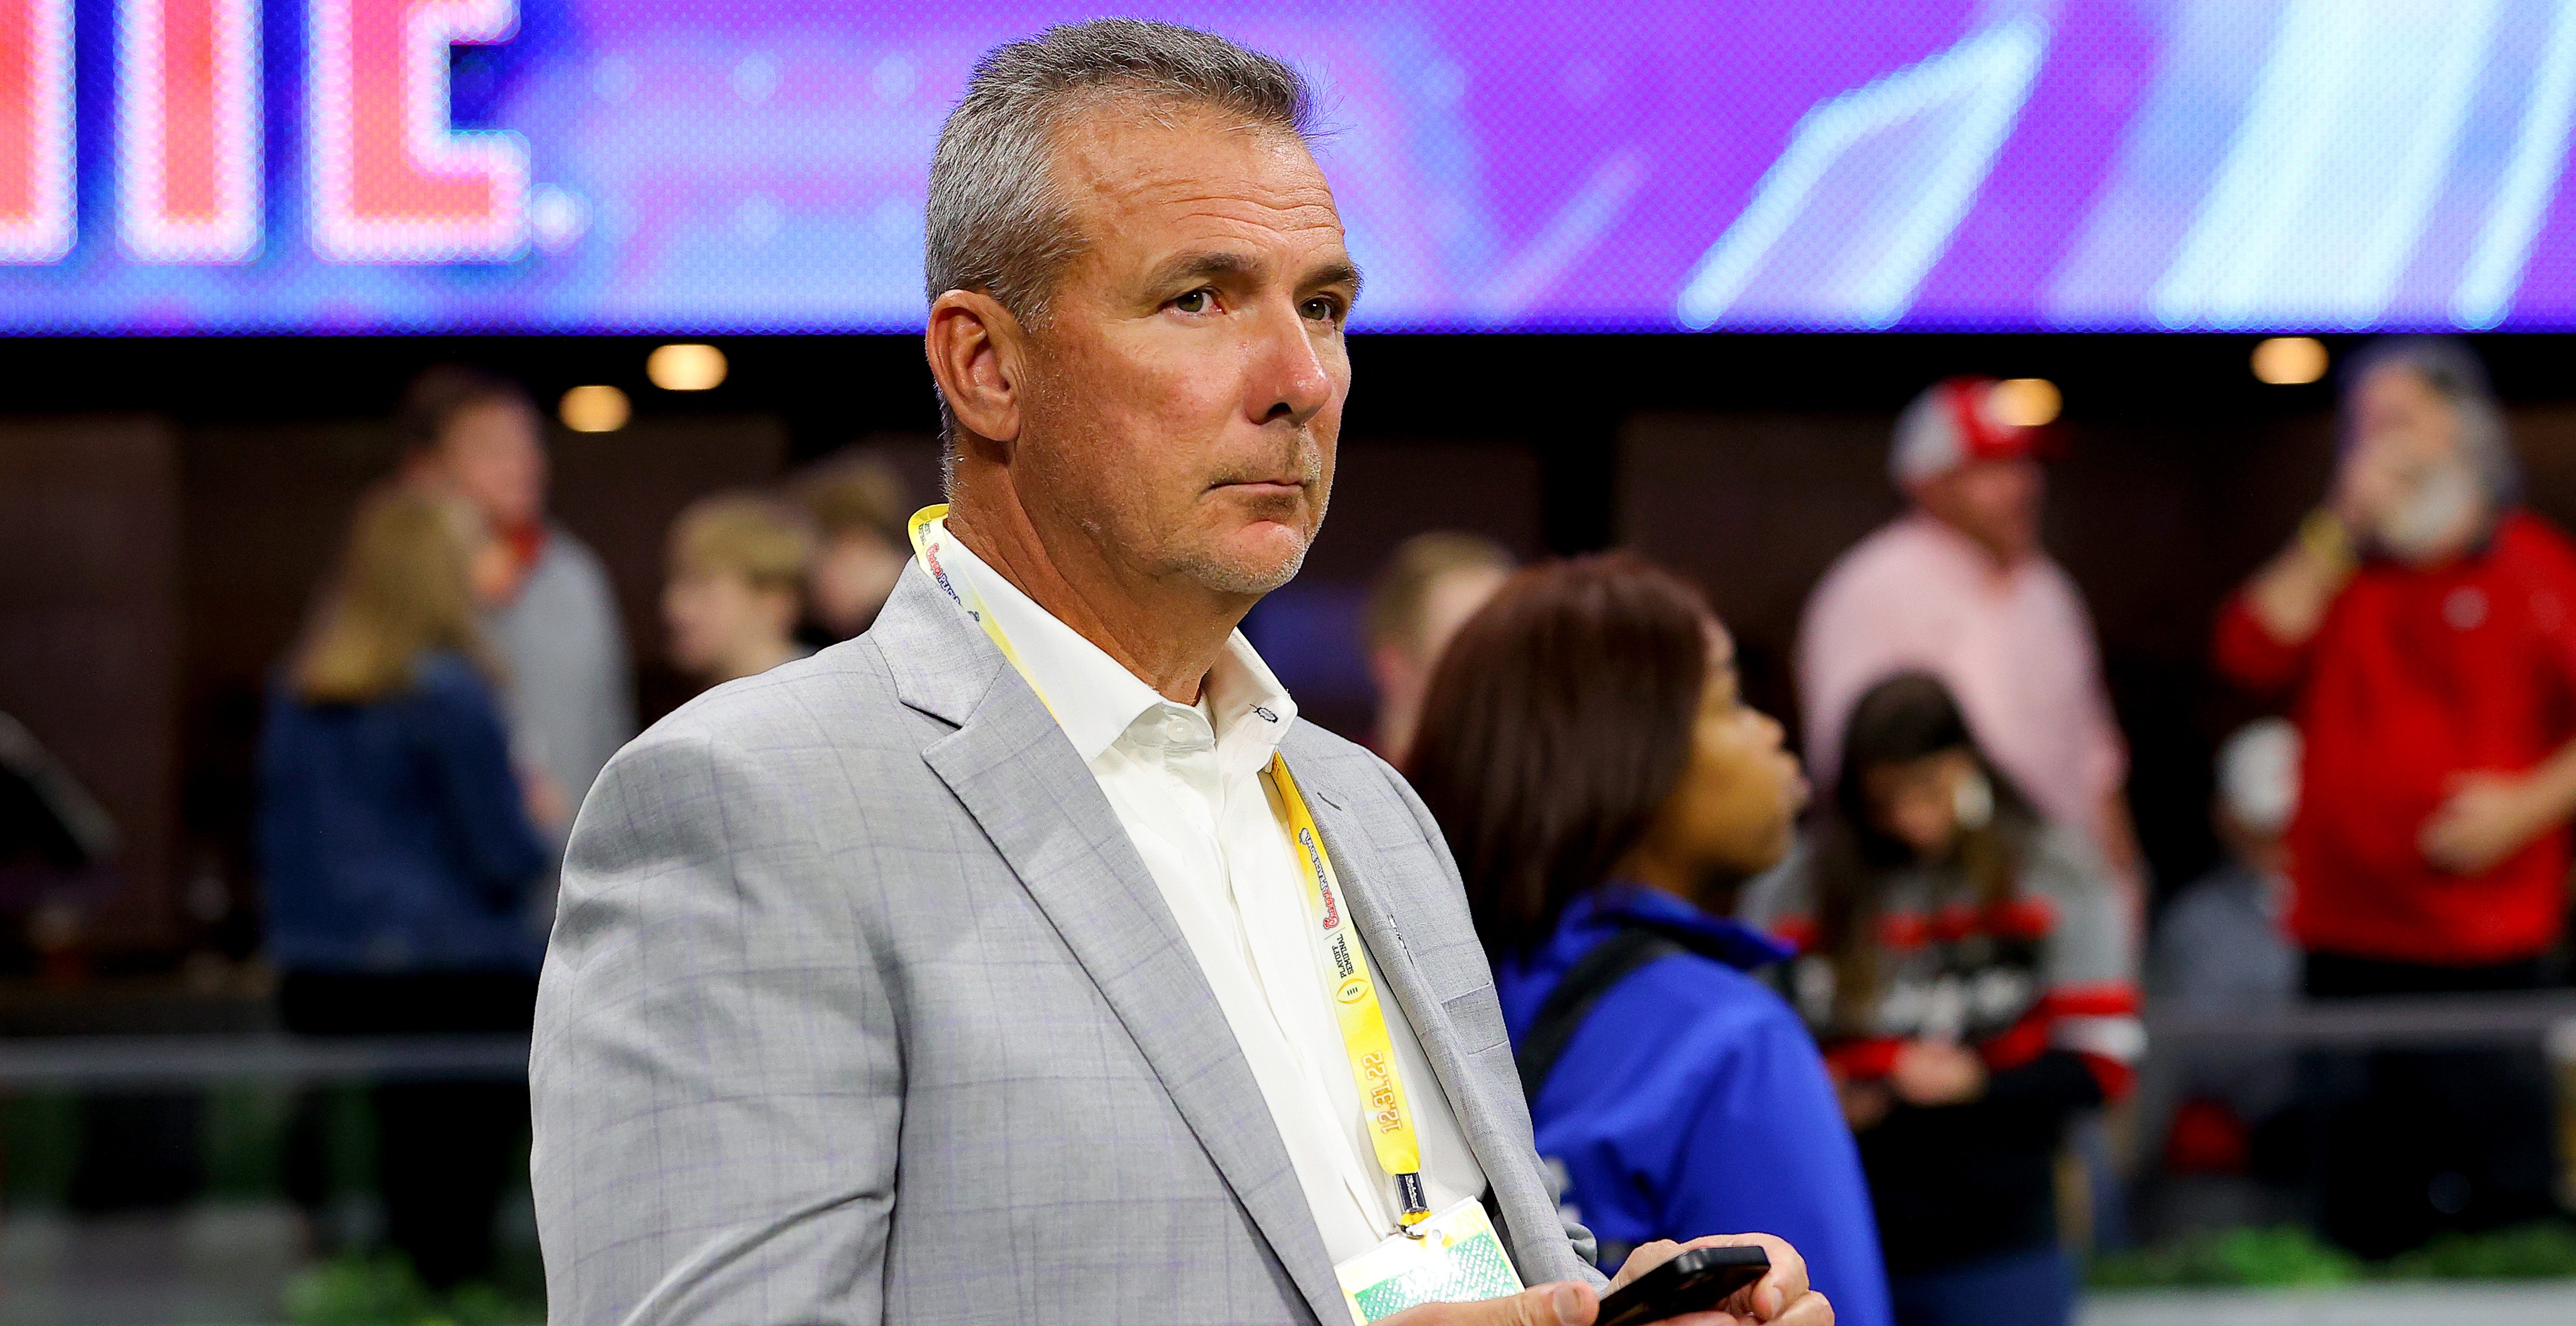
2424,627
1959,587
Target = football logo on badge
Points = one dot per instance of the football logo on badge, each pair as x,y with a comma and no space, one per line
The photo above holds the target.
1352,991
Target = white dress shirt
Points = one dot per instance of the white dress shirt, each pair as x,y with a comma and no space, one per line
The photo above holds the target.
1186,784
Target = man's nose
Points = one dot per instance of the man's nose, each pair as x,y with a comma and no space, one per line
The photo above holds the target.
1289,380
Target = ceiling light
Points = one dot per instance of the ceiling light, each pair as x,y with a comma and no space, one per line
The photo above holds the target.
686,367
2025,402
595,409
2290,361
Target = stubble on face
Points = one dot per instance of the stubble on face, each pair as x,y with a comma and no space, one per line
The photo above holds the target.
1187,446
1219,567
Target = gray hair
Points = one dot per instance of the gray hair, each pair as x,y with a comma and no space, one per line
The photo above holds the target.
2453,372
996,223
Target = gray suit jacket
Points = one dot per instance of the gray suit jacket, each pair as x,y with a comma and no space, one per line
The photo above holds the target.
862,1008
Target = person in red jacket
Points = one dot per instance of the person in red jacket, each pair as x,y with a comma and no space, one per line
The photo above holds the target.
2424,626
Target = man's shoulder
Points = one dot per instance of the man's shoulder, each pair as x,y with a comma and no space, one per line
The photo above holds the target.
567,562
1891,544
842,697
1354,779
803,760
569,582
1348,772
570,550
1308,744
2533,540
1889,561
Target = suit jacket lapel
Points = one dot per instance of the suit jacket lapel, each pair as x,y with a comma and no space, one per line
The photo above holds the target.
1356,865
1505,1156
1030,791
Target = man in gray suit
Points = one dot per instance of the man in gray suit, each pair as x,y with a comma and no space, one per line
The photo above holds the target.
969,971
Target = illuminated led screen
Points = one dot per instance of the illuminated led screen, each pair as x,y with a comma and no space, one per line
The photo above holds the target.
758,165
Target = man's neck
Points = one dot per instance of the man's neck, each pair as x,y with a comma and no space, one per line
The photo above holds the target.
1167,634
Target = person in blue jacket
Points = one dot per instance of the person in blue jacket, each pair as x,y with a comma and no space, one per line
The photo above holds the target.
1606,791
399,847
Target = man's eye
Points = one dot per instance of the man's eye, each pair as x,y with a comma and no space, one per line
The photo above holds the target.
1322,309
1196,301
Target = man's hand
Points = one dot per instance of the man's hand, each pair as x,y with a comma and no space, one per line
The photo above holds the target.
2488,817
1782,1297
1930,1073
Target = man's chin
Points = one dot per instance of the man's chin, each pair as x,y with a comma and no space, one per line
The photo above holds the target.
1248,563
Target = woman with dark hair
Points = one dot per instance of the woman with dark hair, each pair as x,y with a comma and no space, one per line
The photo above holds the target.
1605,791
1969,970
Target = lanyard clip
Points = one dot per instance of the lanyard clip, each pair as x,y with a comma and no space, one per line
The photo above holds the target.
1417,1205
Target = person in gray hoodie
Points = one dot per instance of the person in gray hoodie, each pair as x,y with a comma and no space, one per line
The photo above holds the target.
570,697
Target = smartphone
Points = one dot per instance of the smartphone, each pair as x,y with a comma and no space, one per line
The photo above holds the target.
1695,1281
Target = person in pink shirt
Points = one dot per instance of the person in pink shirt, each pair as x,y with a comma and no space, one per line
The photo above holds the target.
1959,587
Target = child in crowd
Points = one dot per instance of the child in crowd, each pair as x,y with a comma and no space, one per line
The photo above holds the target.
1605,789
737,571
859,508
2220,952
1967,965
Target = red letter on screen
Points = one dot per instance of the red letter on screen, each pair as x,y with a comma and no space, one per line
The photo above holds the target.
35,130
392,182
188,129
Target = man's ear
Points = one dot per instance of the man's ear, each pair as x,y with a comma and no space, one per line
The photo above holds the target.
976,350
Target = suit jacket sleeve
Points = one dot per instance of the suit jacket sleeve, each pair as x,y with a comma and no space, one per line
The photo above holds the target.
716,1080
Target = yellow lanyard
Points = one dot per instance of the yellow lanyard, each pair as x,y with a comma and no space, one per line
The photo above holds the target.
1353,991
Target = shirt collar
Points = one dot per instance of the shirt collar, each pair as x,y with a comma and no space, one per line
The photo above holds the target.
1095,698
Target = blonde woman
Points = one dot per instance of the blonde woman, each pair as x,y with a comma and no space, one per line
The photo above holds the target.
398,849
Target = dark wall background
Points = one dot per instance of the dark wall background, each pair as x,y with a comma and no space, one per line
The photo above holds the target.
161,533
89,634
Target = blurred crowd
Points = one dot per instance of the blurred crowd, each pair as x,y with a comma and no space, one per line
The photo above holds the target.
460,683
1922,997
1886,1025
